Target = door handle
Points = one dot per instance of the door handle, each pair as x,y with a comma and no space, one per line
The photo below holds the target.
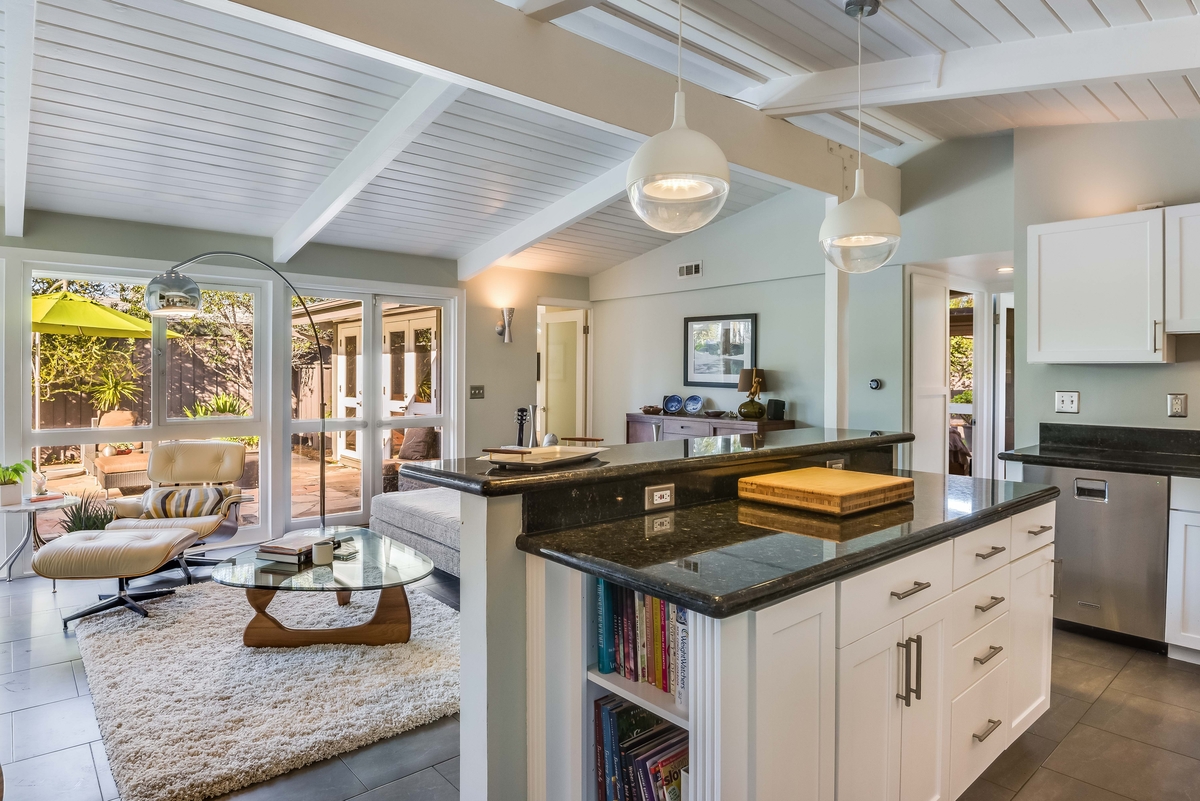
1040,530
916,587
920,670
996,549
992,726
907,647
990,655
1057,571
996,599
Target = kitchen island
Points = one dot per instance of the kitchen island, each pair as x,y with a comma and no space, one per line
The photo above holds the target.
802,632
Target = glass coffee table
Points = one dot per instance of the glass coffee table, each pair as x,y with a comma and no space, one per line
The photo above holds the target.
380,564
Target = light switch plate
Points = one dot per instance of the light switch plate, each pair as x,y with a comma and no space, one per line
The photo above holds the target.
1066,403
1176,404
476,391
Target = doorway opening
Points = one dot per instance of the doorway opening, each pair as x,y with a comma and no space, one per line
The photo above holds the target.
962,364
563,373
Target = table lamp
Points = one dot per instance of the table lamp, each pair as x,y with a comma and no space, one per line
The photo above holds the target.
752,381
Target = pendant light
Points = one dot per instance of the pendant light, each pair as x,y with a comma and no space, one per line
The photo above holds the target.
861,234
678,180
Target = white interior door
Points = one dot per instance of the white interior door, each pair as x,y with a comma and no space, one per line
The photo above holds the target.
397,344
348,400
565,372
929,321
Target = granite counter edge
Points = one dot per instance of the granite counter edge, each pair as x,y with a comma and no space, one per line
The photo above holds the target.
1100,463
782,588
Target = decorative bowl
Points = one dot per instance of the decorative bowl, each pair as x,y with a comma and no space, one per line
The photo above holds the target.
714,413
651,410
692,404
672,404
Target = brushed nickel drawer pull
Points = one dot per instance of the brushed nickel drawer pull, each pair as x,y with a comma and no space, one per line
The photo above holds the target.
996,549
992,726
916,587
991,654
996,599
1037,532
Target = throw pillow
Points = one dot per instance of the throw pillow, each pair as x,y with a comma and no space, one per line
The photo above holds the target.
164,502
420,444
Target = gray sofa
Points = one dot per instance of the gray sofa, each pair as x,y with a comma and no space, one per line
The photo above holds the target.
424,519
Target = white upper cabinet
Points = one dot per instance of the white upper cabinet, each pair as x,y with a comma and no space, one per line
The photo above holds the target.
1182,269
1095,290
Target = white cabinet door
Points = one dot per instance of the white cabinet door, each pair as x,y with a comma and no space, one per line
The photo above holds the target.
929,318
1183,580
1182,268
925,725
1095,290
870,676
1031,616
795,671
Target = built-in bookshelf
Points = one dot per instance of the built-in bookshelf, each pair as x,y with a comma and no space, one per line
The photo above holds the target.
642,694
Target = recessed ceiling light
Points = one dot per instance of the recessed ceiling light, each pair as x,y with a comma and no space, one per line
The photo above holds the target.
1004,269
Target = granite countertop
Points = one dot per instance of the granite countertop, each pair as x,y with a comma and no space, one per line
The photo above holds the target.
647,458
1151,451
728,557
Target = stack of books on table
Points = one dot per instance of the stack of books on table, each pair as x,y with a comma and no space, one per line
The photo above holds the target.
643,639
639,756
289,553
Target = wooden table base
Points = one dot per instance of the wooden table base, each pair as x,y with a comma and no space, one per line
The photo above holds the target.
391,623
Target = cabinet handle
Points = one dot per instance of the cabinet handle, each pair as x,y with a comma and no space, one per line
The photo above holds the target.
916,587
992,726
1040,530
906,647
995,550
991,654
1057,571
996,599
920,654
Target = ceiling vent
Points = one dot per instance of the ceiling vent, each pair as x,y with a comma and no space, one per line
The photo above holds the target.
693,270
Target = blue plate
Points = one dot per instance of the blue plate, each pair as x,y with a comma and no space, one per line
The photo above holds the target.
672,404
692,404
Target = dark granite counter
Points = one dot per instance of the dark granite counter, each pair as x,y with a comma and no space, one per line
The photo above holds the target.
724,558
624,462
1151,451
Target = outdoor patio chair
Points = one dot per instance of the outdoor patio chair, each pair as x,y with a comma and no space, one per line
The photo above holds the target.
193,487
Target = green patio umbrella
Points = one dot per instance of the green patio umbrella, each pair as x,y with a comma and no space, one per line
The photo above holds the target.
69,313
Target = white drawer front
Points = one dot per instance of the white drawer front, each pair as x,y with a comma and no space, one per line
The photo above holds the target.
1031,530
979,603
1185,494
980,712
871,600
979,552
980,654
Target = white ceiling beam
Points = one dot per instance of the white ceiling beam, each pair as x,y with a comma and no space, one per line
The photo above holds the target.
563,213
547,10
413,113
19,22
1104,54
483,45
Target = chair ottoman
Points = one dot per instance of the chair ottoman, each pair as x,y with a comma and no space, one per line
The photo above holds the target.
425,519
122,554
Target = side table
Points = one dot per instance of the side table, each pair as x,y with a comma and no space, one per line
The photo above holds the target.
30,510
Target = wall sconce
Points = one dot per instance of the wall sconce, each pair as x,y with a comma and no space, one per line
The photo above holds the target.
504,327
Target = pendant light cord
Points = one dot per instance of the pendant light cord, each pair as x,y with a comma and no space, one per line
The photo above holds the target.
679,53
859,88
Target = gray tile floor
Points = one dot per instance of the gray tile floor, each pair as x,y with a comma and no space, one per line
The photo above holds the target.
1122,724
50,744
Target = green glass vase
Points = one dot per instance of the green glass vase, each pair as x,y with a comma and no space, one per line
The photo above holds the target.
752,410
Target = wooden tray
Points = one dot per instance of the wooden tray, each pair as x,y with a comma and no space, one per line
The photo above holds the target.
831,492
825,527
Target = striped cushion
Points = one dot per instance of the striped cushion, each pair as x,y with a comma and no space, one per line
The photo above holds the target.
165,502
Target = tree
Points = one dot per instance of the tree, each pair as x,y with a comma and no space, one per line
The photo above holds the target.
962,357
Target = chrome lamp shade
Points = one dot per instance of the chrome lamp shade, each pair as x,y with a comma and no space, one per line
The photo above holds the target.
172,294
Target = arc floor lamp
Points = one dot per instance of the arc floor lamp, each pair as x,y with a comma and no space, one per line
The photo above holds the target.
173,295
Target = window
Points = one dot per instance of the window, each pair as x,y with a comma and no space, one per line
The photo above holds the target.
210,358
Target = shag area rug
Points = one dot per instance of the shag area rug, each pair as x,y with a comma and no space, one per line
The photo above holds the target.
188,712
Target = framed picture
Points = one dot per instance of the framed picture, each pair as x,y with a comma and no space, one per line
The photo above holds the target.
717,349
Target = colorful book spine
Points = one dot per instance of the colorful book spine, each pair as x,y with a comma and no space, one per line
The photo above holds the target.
681,651
639,607
606,652
672,651
663,654
618,595
598,726
631,667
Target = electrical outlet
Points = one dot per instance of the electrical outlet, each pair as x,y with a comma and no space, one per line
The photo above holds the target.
836,464
661,496
1066,403
1176,405
477,392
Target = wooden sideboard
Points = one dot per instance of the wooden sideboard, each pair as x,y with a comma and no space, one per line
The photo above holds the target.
640,427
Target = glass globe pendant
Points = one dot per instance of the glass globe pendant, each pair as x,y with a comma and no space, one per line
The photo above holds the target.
861,234
678,180
172,294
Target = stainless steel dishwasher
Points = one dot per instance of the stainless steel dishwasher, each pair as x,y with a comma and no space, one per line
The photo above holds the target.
1111,539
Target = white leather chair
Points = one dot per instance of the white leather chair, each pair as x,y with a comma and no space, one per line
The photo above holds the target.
189,464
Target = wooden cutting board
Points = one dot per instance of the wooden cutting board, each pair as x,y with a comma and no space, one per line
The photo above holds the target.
831,492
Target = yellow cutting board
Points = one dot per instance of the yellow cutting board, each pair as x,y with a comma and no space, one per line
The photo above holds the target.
831,492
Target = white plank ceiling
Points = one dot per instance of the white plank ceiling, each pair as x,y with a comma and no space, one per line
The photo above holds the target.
167,112
738,46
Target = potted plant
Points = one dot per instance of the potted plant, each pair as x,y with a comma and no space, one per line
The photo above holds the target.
92,513
10,482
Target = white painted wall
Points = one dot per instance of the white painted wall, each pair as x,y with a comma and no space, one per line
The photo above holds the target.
766,260
1078,171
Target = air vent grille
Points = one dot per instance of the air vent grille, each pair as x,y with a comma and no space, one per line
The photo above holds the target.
693,270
